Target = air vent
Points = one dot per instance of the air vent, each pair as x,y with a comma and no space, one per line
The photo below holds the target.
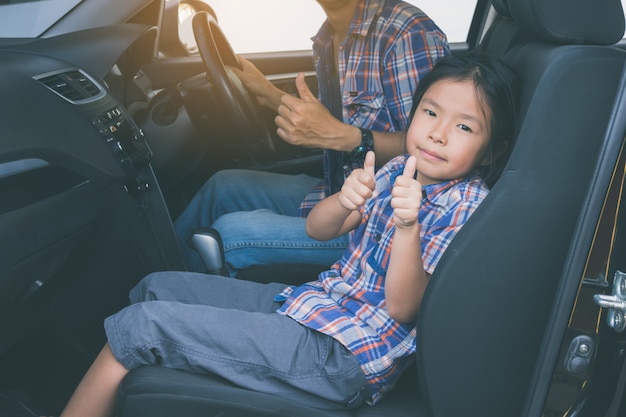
73,85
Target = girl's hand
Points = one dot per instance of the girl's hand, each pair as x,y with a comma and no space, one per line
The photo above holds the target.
360,185
406,196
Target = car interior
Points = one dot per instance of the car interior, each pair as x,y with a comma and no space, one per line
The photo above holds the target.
497,281
99,153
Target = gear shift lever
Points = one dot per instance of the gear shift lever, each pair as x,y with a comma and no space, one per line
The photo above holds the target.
207,242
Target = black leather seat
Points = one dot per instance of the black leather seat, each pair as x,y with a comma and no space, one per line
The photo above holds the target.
491,322
496,309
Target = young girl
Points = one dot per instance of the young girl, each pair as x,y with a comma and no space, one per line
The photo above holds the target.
346,337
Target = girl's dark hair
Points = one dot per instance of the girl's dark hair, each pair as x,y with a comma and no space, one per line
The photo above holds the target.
497,86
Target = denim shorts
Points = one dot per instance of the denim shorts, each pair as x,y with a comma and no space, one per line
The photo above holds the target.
228,327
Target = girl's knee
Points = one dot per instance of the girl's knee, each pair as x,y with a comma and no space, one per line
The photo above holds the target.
145,289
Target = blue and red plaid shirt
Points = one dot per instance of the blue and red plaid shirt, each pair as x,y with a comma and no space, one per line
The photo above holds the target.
347,302
390,45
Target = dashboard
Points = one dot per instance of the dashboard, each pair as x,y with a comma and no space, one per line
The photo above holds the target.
81,211
37,120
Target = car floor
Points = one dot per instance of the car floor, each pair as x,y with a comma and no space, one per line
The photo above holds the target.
38,375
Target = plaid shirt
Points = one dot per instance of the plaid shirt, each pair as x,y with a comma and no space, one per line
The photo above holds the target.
390,45
347,302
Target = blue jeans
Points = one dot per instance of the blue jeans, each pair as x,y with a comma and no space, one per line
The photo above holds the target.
255,213
210,324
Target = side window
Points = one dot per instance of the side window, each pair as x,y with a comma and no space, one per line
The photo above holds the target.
288,25
454,17
268,25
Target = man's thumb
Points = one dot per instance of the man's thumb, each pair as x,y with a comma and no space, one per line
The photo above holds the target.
303,89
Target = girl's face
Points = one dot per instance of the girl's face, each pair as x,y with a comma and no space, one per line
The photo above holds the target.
449,133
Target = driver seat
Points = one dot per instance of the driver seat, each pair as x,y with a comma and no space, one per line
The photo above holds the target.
489,308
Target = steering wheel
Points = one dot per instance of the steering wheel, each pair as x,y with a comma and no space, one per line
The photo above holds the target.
240,106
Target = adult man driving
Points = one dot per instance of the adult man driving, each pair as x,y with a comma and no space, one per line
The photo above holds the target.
369,56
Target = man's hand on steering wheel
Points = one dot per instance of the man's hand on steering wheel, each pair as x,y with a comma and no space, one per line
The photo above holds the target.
239,104
267,94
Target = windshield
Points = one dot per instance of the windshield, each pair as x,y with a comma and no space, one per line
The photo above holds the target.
31,18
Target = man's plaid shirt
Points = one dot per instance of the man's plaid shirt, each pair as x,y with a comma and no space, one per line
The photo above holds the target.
390,45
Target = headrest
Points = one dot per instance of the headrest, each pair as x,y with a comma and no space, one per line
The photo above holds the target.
501,7
596,22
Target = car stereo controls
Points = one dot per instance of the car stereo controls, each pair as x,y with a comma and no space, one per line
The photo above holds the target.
124,137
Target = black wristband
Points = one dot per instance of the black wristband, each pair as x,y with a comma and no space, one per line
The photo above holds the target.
357,156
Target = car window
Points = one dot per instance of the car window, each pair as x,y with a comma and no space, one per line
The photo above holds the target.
287,25
251,26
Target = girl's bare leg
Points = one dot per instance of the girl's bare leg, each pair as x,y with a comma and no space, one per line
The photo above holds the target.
95,395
